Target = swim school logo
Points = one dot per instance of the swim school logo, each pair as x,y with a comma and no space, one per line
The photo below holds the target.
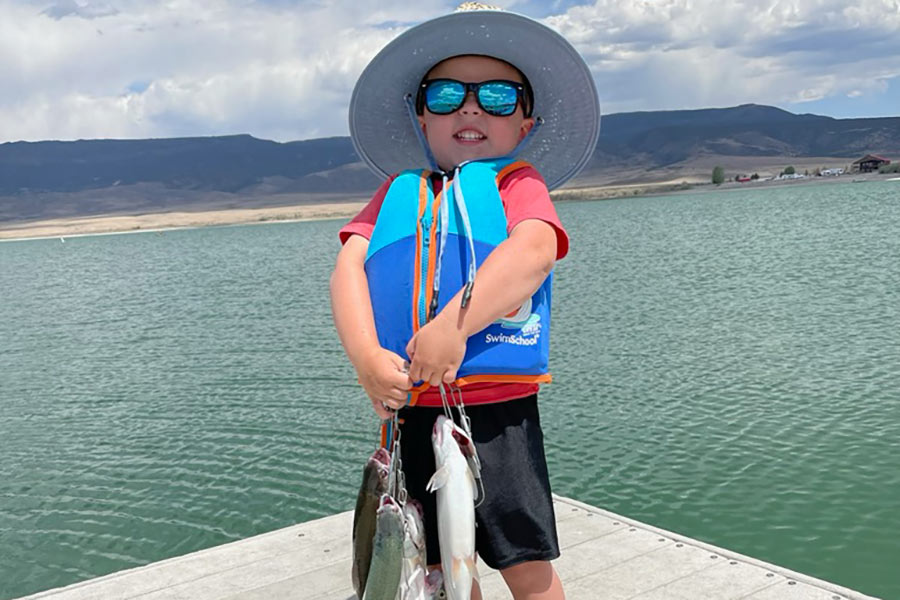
527,323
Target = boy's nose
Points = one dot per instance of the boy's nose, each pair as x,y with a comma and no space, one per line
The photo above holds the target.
470,104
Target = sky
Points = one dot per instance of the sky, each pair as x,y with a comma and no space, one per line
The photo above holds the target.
284,69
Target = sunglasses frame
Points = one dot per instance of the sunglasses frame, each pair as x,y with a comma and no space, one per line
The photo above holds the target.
522,94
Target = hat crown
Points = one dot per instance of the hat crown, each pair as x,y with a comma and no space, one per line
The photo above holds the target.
476,6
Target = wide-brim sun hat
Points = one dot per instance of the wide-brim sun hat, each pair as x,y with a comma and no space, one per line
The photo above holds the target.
565,96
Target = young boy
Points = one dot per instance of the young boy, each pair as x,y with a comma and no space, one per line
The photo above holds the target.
465,92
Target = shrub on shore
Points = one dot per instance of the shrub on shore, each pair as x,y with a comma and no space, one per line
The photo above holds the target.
892,168
718,175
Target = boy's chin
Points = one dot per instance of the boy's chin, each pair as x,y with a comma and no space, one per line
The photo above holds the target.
475,154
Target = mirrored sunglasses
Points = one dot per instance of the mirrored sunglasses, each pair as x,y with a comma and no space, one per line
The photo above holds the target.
497,97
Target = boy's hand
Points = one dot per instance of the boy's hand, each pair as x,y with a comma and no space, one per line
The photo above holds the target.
383,375
436,350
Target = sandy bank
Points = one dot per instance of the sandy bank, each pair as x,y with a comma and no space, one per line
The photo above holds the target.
176,220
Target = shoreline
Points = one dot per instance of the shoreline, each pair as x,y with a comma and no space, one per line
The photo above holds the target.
174,220
667,188
183,219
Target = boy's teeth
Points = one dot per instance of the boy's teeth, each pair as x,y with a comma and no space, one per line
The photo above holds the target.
469,135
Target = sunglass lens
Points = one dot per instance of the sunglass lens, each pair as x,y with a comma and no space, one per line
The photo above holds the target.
498,98
443,97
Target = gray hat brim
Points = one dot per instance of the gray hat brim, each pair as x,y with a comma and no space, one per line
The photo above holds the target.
565,95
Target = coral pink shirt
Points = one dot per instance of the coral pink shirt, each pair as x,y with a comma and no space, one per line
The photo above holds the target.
525,196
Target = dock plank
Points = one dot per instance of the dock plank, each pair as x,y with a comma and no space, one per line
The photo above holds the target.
729,580
794,590
642,574
604,555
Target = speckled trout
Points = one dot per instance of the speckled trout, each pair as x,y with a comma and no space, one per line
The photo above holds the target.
387,552
454,484
374,484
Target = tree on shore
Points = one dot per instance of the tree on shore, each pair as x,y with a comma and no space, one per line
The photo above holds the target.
718,175
789,170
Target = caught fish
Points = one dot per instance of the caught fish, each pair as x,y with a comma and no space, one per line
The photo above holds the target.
454,484
374,484
387,552
412,580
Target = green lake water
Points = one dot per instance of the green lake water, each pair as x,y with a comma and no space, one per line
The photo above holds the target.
727,366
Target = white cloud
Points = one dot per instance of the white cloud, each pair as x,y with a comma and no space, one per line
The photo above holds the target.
668,54
284,69
182,68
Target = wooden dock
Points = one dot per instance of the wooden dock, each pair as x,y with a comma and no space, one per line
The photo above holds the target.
604,557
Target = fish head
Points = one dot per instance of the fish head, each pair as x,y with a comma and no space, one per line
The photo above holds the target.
414,514
442,434
414,540
388,506
414,505
463,440
447,436
377,470
437,432
381,456
384,475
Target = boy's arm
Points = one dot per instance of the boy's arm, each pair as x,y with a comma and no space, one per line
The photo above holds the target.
510,274
380,371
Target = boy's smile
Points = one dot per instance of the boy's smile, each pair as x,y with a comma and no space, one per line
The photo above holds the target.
470,133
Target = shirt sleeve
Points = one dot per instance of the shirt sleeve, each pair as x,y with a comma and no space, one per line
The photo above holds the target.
525,196
364,222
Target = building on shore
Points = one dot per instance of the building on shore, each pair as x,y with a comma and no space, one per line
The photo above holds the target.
869,163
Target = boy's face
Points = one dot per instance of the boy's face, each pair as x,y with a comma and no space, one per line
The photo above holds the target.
470,133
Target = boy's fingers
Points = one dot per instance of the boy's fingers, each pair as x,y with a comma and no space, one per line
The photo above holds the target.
450,376
400,381
427,375
397,394
380,410
415,371
399,362
394,403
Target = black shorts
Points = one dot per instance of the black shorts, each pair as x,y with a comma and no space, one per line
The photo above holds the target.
515,523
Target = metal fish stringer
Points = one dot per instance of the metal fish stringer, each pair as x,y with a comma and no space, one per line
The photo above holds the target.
465,423
396,478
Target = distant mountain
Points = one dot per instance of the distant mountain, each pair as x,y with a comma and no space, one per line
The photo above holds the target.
226,164
43,179
667,137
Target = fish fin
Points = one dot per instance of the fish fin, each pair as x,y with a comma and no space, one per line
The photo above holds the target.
456,565
438,480
473,570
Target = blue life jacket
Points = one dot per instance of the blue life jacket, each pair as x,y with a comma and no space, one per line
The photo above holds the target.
421,254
